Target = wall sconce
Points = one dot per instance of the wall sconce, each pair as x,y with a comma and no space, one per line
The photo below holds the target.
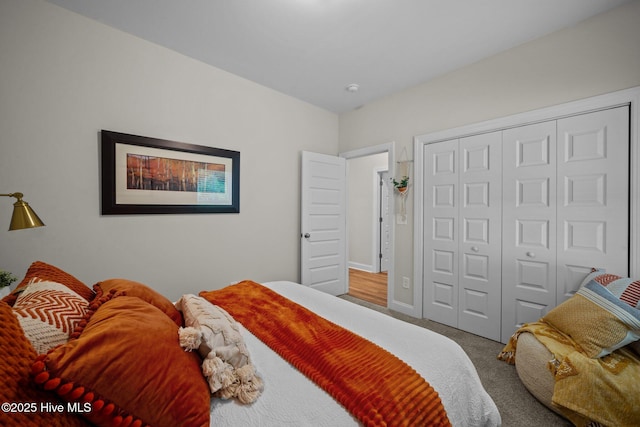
23,216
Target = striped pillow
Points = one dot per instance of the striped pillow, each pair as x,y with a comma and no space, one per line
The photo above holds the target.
48,313
603,316
624,288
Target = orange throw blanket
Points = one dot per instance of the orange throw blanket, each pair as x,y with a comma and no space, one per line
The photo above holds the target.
378,388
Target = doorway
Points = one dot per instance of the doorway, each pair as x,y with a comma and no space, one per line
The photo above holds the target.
370,287
382,212
369,224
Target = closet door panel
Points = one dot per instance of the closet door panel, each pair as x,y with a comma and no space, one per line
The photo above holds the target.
480,229
529,224
593,196
440,297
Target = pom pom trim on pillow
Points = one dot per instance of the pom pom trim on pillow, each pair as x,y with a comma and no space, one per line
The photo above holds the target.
72,393
77,393
101,367
16,359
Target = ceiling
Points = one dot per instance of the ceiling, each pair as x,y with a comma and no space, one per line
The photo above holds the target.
313,49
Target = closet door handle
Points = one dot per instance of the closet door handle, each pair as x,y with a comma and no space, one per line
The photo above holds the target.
531,254
475,248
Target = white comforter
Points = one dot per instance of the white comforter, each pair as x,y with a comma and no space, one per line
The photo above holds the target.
291,399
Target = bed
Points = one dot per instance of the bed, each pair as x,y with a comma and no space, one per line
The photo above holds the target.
127,323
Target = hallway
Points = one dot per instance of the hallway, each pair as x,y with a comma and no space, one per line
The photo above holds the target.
370,287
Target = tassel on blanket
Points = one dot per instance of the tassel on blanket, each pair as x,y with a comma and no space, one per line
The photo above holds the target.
508,353
190,338
248,385
218,373
226,382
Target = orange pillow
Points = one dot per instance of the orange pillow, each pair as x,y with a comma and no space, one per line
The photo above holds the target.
144,292
127,364
16,357
42,271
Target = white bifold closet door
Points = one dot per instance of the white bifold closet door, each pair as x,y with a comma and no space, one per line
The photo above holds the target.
440,296
593,197
529,224
515,219
565,210
462,228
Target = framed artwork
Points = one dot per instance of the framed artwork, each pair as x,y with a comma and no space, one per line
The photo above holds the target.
142,175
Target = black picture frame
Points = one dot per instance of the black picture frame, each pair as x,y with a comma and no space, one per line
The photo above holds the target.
144,175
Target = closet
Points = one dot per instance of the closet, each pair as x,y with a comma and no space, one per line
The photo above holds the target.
514,219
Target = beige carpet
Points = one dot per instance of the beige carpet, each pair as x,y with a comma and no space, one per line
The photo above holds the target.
517,406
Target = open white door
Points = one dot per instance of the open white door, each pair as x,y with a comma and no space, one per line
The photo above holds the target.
384,226
323,223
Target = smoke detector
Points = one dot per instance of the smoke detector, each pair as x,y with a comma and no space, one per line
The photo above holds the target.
353,87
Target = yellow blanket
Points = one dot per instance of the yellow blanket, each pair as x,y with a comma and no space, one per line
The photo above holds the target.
605,390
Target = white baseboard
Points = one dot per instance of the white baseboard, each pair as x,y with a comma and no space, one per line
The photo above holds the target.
359,266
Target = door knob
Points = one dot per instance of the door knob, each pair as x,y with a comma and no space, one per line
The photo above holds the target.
531,254
475,248
307,235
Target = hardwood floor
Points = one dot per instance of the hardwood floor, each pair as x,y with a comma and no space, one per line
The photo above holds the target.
370,287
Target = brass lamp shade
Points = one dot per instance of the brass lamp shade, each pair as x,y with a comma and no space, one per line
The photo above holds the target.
23,216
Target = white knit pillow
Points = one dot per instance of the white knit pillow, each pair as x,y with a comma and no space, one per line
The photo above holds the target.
48,313
216,335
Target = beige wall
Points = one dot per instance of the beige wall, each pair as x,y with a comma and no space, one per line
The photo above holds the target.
63,78
597,56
